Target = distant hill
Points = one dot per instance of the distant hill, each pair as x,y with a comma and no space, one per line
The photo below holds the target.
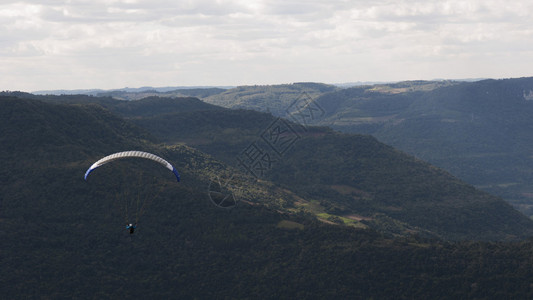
168,93
133,93
64,237
274,99
479,131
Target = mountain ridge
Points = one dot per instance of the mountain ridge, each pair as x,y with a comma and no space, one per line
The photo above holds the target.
478,130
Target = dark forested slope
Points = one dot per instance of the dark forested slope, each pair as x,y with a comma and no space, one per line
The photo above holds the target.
343,178
62,237
481,132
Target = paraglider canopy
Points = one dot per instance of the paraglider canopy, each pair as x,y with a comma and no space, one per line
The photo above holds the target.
127,154
132,197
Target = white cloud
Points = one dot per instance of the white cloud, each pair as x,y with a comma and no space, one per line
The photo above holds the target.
112,43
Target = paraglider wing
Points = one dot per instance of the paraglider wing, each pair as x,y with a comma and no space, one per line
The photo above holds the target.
126,154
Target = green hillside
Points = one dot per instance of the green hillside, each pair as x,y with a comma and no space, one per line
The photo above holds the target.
63,238
276,99
345,179
267,98
480,131
173,93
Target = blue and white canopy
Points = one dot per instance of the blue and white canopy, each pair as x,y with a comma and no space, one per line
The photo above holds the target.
126,154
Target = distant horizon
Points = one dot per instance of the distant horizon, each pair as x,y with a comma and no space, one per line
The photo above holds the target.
177,87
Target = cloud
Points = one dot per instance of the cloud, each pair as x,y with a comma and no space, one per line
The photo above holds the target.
110,43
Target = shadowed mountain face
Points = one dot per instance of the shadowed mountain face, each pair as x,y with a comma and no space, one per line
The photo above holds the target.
481,131
64,237
347,179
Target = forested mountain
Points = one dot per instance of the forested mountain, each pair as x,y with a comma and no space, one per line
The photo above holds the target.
142,92
277,99
167,93
63,237
479,131
346,179
268,98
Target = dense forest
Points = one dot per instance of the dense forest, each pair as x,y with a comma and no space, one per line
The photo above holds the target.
288,237
342,175
479,131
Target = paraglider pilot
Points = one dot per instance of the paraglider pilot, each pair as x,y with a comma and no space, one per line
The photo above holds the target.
131,227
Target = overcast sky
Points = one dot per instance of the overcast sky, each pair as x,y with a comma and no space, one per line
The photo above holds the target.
70,44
